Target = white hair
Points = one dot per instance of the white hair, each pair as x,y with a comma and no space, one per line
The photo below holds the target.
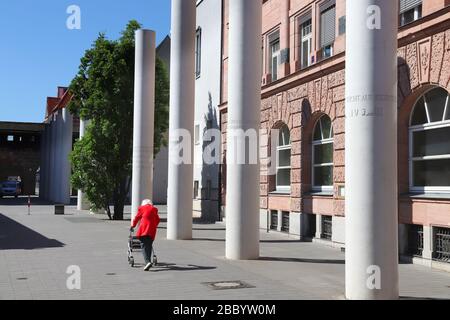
147,202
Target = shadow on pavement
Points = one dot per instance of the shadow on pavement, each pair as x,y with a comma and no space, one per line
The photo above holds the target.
15,236
421,298
174,267
162,266
261,241
208,239
302,260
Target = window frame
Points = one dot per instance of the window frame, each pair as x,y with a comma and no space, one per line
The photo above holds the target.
412,129
197,138
315,143
309,40
198,52
272,55
283,188
418,14
324,7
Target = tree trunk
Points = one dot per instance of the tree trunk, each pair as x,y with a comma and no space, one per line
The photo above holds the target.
119,200
108,211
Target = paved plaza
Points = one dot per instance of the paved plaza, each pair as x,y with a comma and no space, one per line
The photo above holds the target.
36,250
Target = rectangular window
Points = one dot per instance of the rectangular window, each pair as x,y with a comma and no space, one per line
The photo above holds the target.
10,138
327,228
431,173
306,42
323,165
196,188
274,54
197,134
415,240
441,244
284,152
273,220
285,221
327,29
198,52
410,11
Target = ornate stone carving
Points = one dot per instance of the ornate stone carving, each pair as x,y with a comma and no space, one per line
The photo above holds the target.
424,58
411,59
437,53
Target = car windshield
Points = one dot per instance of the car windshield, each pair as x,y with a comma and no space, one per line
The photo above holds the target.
9,184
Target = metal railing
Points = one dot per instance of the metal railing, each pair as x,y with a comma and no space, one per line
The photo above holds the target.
327,228
274,220
285,222
441,244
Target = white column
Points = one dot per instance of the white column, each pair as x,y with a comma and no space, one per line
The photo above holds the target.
144,118
371,150
82,201
244,105
182,108
66,149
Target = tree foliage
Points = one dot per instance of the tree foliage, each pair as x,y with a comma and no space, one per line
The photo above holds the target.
103,93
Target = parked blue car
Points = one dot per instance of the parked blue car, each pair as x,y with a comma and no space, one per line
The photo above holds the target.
10,189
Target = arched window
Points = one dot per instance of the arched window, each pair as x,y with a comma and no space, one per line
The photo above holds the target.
322,155
284,160
429,137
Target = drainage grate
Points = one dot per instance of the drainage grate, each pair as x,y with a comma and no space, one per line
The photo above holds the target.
111,274
228,285
22,279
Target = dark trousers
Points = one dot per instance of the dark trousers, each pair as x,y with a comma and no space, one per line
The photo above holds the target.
147,246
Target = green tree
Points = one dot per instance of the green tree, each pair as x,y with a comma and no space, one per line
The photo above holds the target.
103,93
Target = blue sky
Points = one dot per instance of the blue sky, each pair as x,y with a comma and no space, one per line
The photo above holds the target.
38,52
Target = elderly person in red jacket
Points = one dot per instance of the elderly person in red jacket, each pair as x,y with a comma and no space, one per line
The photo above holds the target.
149,220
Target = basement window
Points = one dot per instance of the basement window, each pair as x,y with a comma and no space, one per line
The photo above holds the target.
441,244
285,222
415,240
327,228
274,220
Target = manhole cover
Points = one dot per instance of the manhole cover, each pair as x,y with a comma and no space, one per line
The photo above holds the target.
228,285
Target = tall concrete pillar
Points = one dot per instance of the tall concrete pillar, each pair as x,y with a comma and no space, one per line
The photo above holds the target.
371,150
53,168
244,105
144,118
66,149
182,109
82,201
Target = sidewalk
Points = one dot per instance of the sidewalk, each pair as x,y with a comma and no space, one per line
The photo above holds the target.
36,250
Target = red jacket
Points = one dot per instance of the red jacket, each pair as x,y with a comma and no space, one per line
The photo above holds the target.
149,218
